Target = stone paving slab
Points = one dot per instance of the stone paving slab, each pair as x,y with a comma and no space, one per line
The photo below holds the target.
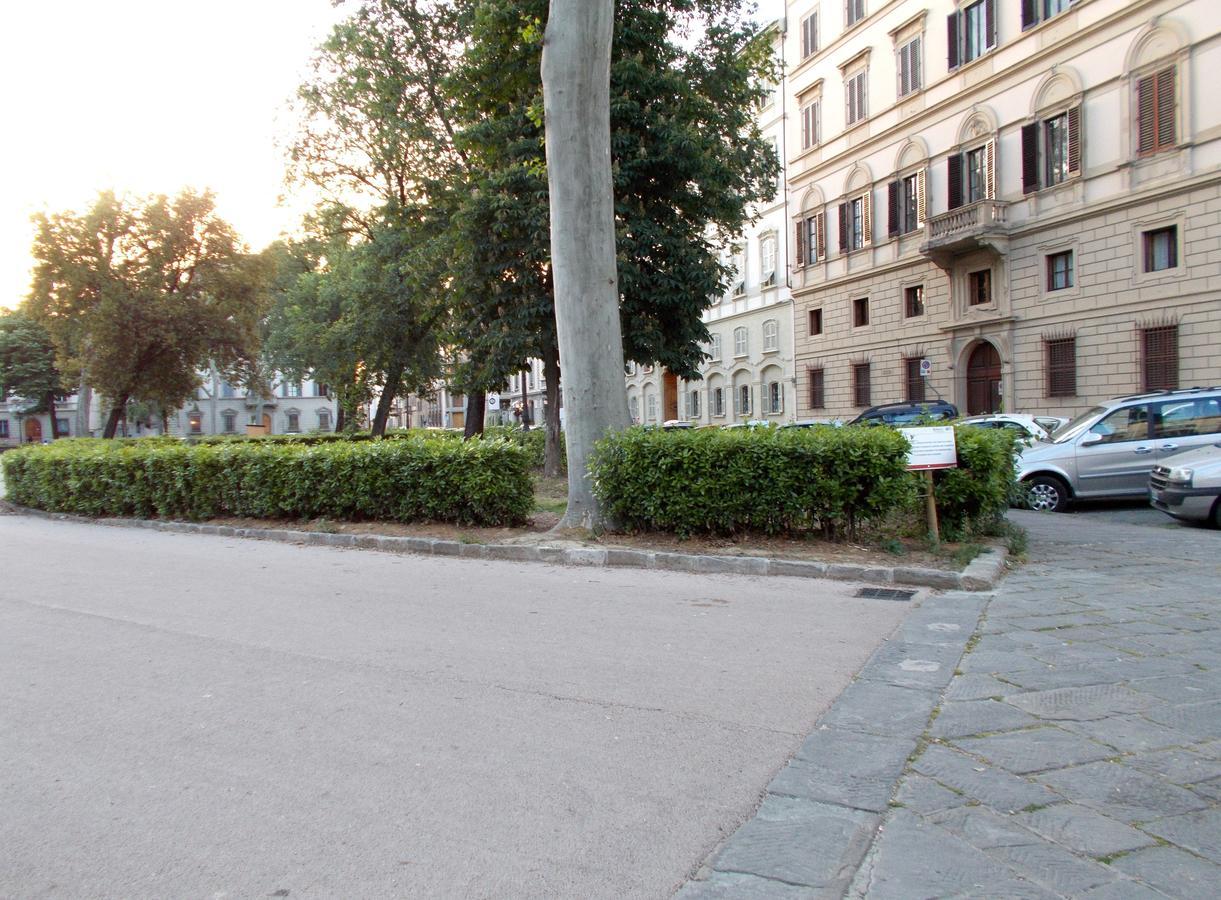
1034,749
846,768
1199,832
967,717
1175,873
1084,831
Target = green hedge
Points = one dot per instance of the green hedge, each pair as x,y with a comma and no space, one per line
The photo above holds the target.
772,480
468,482
534,441
974,497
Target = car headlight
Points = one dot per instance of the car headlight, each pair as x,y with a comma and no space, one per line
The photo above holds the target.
1181,475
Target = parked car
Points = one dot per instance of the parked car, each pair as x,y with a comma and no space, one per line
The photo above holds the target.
749,423
1050,423
676,425
1027,427
899,414
1110,450
1188,486
813,423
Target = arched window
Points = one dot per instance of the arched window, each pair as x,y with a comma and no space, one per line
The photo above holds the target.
771,335
740,347
744,400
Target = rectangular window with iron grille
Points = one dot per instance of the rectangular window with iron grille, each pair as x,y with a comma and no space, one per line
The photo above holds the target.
860,384
913,380
818,397
1061,357
1159,356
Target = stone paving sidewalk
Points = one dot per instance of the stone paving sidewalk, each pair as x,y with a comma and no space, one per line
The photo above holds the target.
1070,748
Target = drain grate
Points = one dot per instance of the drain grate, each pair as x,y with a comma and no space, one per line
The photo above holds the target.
884,594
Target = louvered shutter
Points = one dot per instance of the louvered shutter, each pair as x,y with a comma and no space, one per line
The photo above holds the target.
1074,141
905,84
892,208
1165,108
843,228
1145,115
1030,15
954,181
915,51
990,165
990,22
820,236
867,219
1030,157
801,243
921,201
952,35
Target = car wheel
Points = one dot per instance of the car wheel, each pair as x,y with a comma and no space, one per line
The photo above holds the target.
1046,493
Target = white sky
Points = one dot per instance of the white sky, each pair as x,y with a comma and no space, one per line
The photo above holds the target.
150,96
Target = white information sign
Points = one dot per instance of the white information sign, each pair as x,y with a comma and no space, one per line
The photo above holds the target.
493,401
932,447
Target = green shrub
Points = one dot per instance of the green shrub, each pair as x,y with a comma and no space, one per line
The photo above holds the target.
411,478
534,441
771,480
972,498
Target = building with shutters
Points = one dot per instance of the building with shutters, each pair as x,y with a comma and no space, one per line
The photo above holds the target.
1027,193
748,375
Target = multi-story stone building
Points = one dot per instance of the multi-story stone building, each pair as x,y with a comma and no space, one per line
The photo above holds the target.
749,374
1027,194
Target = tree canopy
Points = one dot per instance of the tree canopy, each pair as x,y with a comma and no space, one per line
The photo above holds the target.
27,366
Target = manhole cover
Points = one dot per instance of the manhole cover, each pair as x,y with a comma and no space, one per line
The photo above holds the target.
884,594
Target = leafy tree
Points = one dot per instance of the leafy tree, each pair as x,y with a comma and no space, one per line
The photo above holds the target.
27,366
143,294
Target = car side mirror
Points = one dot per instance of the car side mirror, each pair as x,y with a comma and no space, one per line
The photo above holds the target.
1090,437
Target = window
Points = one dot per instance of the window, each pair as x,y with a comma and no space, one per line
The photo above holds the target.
1129,423
771,335
718,402
1186,418
651,408
854,11
1060,270
1155,112
809,35
1160,249
910,76
811,246
195,422
294,422
324,420
809,125
767,260
1060,355
818,398
321,390
4,426
979,287
913,380
860,312
972,32
744,400
855,97
860,384
855,225
737,266
634,407
913,301
292,389
1051,150
716,348
905,204
226,390
971,175
775,397
1036,11
1159,358
739,342
693,405
229,421
815,321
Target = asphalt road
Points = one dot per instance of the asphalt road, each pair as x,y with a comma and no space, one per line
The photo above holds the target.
195,716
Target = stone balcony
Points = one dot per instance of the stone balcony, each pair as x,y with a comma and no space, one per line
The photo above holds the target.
982,225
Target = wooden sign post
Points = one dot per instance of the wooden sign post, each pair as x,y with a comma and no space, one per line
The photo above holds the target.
932,447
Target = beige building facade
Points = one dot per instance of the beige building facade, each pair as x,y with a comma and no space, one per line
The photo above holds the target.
1025,194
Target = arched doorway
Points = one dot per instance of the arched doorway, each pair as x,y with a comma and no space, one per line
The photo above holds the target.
33,431
983,380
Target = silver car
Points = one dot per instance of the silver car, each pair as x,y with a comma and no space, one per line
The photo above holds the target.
1188,487
1110,450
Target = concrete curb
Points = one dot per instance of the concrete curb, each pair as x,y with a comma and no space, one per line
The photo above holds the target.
981,574
821,813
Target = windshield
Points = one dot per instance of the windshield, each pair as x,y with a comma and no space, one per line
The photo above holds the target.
1075,426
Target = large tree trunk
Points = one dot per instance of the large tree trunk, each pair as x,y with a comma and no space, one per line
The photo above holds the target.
576,102
476,408
116,416
340,419
552,465
394,379
49,400
84,395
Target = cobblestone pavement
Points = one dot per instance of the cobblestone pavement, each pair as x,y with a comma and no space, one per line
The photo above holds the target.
1074,752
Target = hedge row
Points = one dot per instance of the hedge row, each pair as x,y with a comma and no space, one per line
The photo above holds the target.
472,482
534,441
835,480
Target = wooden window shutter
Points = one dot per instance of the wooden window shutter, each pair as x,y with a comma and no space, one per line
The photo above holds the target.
954,181
800,243
1160,357
1030,157
867,219
953,32
1074,141
843,228
1165,108
990,165
892,208
915,49
1030,14
921,201
820,235
990,22
1061,360
905,70
1145,115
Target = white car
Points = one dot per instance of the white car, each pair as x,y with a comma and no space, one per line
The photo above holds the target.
1188,486
1028,427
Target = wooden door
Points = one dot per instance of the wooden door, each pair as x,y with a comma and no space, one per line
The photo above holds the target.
983,381
669,396
266,423
33,431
